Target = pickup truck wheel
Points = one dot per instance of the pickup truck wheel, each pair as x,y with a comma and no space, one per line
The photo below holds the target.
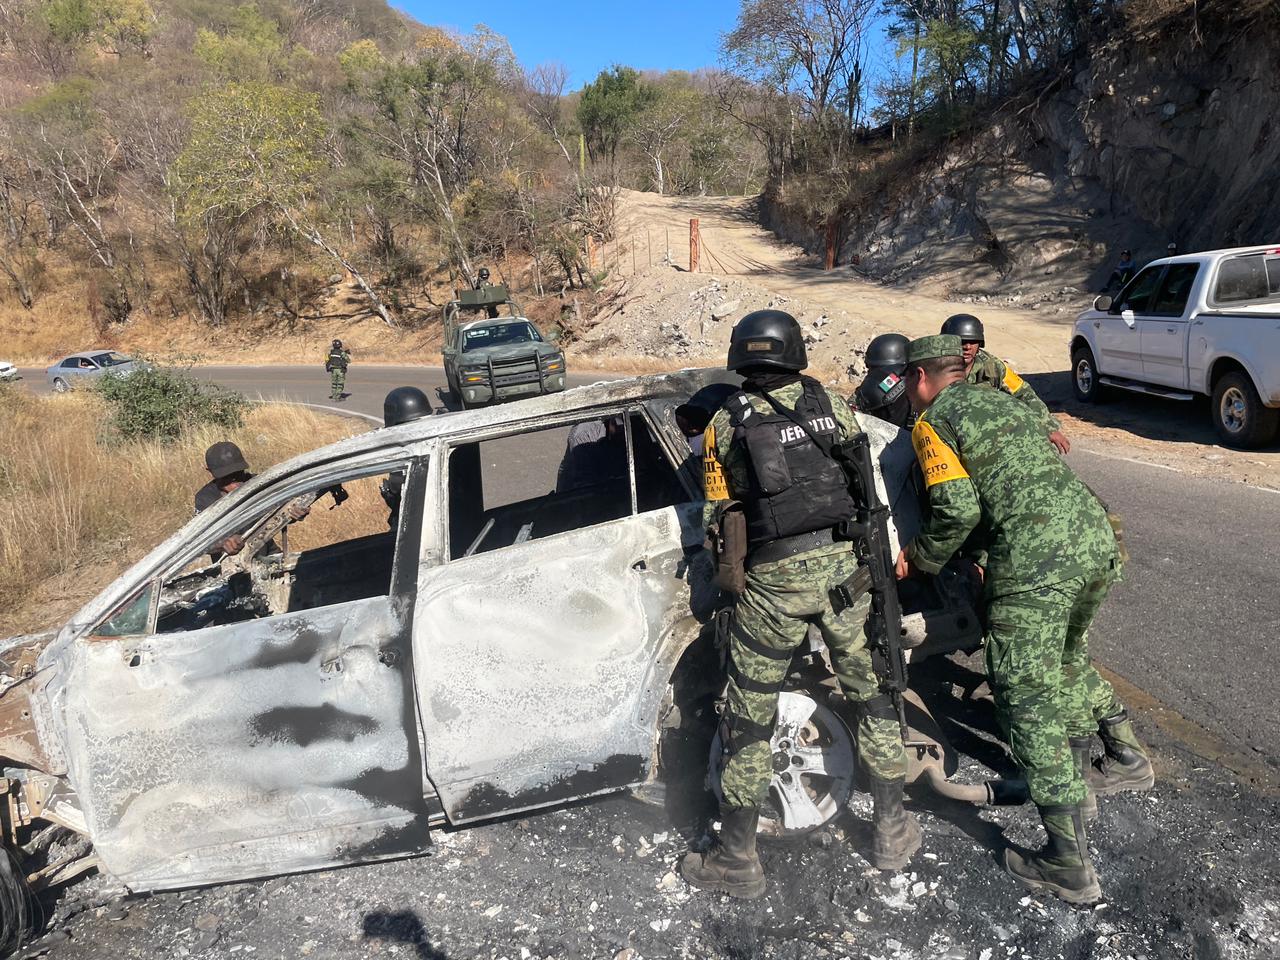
1239,416
814,765
1084,376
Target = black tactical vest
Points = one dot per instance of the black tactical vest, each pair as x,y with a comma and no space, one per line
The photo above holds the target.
795,488
336,360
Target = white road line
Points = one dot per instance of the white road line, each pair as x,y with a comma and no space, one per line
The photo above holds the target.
1165,466
342,410
1141,463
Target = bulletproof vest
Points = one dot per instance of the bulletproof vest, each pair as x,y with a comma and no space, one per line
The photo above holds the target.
337,360
883,394
795,488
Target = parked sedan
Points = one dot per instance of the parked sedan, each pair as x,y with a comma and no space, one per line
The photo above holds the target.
82,367
510,643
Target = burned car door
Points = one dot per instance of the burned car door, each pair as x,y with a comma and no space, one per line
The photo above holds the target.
243,733
542,639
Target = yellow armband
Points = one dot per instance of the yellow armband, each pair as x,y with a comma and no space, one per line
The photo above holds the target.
713,482
938,461
1012,382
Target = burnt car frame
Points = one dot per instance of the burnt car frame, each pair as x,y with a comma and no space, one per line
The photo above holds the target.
203,722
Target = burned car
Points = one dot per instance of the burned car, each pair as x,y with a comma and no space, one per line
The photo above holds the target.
509,641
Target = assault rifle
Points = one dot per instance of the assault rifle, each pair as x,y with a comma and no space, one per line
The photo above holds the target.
869,531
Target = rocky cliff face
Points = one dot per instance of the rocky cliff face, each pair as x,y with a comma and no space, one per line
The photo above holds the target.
1171,134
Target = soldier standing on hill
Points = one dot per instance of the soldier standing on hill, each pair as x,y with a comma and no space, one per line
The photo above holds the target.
335,364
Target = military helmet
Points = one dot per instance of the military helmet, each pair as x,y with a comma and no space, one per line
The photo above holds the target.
767,338
965,326
337,344
404,404
889,350
483,274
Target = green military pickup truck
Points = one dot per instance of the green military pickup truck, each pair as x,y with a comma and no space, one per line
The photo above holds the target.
493,353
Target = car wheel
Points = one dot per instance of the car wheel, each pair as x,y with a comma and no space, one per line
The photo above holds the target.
1084,376
1239,416
814,767
60,385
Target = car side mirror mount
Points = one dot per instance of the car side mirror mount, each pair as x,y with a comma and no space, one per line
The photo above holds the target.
1102,303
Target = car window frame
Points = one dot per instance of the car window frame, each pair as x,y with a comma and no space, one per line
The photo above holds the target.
1122,303
1164,282
626,409
276,492
1270,264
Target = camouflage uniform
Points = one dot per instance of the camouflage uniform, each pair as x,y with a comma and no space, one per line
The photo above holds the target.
995,372
771,619
336,362
1051,557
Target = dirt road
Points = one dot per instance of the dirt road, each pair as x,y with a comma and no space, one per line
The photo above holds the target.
734,244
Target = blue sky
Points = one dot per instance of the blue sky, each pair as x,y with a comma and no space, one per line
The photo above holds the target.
588,37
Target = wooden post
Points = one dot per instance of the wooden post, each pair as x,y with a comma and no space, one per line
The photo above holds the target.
648,245
693,245
633,256
591,252
831,244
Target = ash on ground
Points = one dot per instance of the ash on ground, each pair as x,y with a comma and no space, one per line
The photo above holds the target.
1189,871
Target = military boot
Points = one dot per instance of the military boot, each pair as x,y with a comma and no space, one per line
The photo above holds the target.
1062,867
732,865
897,835
1125,765
1080,749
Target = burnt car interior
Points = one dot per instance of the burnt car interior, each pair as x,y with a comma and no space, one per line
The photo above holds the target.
329,545
581,477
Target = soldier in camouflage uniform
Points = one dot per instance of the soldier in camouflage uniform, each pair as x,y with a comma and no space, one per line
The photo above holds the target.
982,367
1124,764
1051,556
336,363
794,496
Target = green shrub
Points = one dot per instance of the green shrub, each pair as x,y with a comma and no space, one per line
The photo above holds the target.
161,404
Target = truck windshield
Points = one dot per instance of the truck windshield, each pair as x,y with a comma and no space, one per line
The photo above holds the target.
500,334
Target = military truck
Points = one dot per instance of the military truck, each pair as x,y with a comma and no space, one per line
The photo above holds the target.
492,352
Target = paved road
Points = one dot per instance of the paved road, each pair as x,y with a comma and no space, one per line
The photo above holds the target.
1195,625
367,384
1197,622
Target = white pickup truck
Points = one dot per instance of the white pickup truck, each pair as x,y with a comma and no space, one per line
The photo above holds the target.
1203,323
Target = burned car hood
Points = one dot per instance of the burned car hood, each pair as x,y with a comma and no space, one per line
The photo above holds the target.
18,655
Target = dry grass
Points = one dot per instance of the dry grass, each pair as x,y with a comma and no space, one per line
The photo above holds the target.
75,512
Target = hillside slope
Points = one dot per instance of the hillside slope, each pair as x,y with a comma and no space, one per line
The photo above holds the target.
1167,133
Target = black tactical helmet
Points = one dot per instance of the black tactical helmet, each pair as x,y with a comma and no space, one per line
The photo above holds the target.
337,344
404,404
965,326
888,350
483,274
767,338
